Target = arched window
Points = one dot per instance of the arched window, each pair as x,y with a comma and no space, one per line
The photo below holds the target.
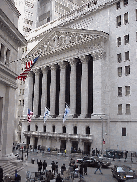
36,127
75,129
53,128
63,129
44,128
87,130
28,128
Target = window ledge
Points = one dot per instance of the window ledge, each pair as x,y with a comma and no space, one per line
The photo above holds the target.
119,114
126,60
127,113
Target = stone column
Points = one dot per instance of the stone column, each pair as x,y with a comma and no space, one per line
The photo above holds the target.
44,90
30,86
84,86
73,87
53,90
36,92
62,88
97,84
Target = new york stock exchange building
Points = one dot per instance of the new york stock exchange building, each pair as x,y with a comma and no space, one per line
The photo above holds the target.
87,60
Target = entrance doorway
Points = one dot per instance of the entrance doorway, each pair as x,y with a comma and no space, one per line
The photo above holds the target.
35,142
87,146
74,146
28,141
62,145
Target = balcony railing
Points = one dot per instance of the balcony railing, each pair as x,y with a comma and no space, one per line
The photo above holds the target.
60,135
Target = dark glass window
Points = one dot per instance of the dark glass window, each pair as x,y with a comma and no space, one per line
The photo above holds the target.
53,128
123,131
75,129
44,128
64,129
119,20
125,2
87,130
36,127
118,5
28,128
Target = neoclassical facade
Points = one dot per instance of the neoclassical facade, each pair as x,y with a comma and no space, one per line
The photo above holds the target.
10,41
87,60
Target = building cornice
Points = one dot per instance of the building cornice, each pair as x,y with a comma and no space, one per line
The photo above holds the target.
12,6
7,26
7,76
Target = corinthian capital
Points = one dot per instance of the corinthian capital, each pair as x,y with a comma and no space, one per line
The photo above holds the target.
84,58
36,71
72,61
62,65
44,69
53,66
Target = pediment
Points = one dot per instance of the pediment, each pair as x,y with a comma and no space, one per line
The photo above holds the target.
60,39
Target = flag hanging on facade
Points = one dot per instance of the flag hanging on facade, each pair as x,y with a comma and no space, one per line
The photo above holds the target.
46,114
30,114
29,65
66,113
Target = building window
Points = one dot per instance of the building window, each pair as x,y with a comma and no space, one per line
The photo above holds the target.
20,91
28,128
53,128
63,129
23,92
87,130
19,102
24,82
119,71
118,5
136,36
44,128
127,55
23,102
123,131
119,21
127,108
126,38
127,70
125,2
119,109
75,129
20,82
36,127
127,90
136,14
119,57
119,41
126,18
120,91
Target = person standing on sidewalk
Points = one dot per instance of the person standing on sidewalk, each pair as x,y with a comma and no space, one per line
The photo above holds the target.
65,152
98,168
44,166
126,155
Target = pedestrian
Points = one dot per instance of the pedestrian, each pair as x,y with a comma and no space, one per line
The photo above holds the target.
1,174
56,167
131,157
114,156
58,178
81,170
98,167
26,159
65,152
49,175
17,177
39,165
85,168
44,166
53,167
125,155
63,168
96,151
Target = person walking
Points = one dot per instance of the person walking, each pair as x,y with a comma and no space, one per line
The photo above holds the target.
126,155
63,168
44,166
1,174
81,170
98,168
56,167
53,167
39,165
65,151
85,168
131,158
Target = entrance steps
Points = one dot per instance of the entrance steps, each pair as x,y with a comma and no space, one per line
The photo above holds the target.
9,168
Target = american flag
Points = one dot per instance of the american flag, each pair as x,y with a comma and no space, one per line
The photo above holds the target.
29,65
30,114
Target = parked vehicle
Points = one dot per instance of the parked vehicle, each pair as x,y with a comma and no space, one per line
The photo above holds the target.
122,173
91,162
106,162
82,159
111,153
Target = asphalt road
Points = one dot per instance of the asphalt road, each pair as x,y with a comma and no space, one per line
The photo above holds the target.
90,177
